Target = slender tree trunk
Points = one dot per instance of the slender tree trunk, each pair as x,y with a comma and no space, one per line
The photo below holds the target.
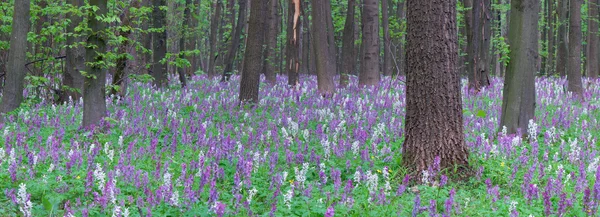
231,53
469,29
120,75
561,56
214,28
271,41
551,36
294,39
348,57
74,61
387,57
159,44
401,45
322,56
369,73
518,101
15,73
434,124
253,55
332,67
185,28
94,99
574,67
592,48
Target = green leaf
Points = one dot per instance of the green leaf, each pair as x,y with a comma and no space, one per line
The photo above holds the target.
481,114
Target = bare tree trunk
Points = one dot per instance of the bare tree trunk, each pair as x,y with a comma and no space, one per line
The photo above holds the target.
551,36
15,74
518,101
294,39
122,61
574,67
348,57
74,61
214,26
231,53
253,55
271,41
159,44
434,124
94,90
369,73
186,28
561,56
592,48
387,57
480,45
330,36
322,56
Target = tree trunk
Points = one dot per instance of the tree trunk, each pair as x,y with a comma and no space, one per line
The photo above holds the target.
294,39
74,61
348,57
518,101
253,55
94,99
574,67
561,56
434,124
369,73
551,36
231,53
326,6
214,28
15,70
159,45
469,30
185,27
271,41
479,30
146,40
401,50
121,63
322,56
385,23
592,48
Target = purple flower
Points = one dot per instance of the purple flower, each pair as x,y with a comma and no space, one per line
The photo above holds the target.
330,212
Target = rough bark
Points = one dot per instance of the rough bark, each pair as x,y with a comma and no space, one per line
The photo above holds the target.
369,72
434,124
159,44
271,42
294,41
387,47
15,67
332,48
348,57
321,53
253,55
592,48
574,67
401,45
518,101
235,43
74,60
562,54
185,27
94,90
214,28
550,19
484,30
121,63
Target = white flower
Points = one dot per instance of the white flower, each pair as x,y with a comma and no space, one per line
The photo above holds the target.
593,166
51,168
23,200
287,197
301,174
355,148
357,177
125,212
425,177
99,175
251,194
175,198
326,148
116,211
167,179
532,130
372,181
513,206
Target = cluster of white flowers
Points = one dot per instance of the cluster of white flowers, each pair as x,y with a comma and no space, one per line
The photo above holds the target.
532,130
91,148
2,155
284,176
100,176
513,206
251,194
301,174
372,182
287,197
504,131
552,134
386,176
175,198
516,141
575,150
11,157
592,167
305,134
355,148
425,177
23,200
120,142
6,131
167,178
378,131
256,160
116,211
326,148
200,161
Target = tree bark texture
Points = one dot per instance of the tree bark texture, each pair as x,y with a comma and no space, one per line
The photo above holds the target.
387,47
480,45
253,55
159,44
235,43
550,19
294,40
434,124
518,101
574,66
271,42
562,54
348,57
214,28
74,61
322,56
369,73
592,48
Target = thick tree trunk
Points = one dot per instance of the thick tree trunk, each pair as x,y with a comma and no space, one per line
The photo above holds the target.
294,41
562,55
146,40
434,124
185,27
369,73
348,57
253,55
235,43
271,41
518,101
323,59
574,67
550,18
120,75
385,24
592,48
479,32
469,30
214,28
15,70
74,61
332,48
401,46
94,90
159,45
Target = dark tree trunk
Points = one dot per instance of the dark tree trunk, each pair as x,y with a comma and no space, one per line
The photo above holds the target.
369,73
348,57
321,53
592,48
253,54
94,90
120,75
146,40
387,47
15,70
550,18
235,43
469,30
434,124
159,45
271,41
294,39
482,23
185,27
561,56
518,101
192,38
214,28
74,61
401,46
326,6
574,66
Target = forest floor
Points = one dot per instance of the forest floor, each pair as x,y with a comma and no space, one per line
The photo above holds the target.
194,152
